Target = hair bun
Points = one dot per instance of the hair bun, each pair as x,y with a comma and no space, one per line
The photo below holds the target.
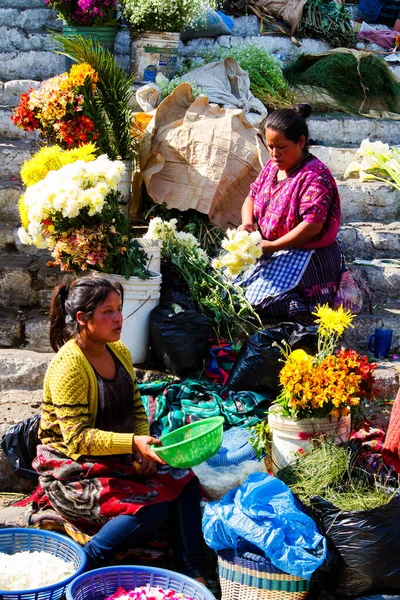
304,109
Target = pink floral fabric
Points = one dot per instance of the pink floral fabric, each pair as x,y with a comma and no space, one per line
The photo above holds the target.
308,194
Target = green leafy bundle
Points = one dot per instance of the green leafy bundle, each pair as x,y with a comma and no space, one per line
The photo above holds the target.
328,21
355,80
110,106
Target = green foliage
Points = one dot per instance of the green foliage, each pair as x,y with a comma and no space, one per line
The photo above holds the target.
161,15
355,82
330,471
267,81
260,438
328,21
167,86
109,108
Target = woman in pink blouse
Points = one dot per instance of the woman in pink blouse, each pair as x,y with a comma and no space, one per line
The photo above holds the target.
295,205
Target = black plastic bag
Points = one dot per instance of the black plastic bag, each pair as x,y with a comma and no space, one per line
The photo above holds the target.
367,548
258,363
179,337
20,443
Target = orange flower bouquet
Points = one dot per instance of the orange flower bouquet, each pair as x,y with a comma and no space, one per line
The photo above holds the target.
330,383
61,109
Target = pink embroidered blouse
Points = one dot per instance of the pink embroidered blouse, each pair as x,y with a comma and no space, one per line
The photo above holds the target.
308,194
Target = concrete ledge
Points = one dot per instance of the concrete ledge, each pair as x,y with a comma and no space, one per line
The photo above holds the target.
13,153
368,201
30,65
343,130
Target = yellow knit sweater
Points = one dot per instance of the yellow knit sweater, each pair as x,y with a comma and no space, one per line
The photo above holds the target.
69,407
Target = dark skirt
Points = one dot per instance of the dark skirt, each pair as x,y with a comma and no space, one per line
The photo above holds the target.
318,285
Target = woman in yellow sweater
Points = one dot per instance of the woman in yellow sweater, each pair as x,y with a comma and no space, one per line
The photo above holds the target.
96,467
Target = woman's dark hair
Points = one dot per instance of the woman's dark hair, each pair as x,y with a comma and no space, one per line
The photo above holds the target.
83,294
290,121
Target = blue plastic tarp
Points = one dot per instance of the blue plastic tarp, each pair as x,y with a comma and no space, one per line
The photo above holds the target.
263,513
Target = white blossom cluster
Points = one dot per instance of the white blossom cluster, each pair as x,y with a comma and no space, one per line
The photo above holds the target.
167,232
32,570
242,249
162,15
69,189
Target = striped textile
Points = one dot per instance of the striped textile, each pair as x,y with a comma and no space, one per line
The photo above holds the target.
317,285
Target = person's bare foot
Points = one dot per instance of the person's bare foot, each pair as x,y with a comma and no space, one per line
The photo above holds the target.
201,580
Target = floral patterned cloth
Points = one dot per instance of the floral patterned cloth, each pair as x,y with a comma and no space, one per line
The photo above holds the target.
91,490
308,194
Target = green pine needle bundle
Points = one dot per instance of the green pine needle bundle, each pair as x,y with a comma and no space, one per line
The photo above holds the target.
329,471
357,82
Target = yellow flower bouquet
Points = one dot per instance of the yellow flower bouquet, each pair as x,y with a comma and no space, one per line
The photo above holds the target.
241,249
328,384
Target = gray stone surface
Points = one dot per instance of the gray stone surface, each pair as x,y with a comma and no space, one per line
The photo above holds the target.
368,201
37,328
13,153
38,65
386,313
342,130
30,19
370,240
10,192
10,92
10,329
336,159
383,282
13,39
23,369
246,26
16,288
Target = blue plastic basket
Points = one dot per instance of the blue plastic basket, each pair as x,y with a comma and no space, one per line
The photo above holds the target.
18,539
100,583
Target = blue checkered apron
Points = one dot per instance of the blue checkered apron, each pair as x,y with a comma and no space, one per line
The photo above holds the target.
274,275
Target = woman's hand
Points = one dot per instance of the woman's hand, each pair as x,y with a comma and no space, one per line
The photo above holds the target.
144,467
250,227
267,247
142,443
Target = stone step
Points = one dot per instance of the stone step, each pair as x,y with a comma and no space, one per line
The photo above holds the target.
382,280
26,281
337,159
33,64
344,130
13,153
10,192
10,91
370,240
368,201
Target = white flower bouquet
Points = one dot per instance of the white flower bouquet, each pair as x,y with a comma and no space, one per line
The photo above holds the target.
207,287
376,161
162,15
74,212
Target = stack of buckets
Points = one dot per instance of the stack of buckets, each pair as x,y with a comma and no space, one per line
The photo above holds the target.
140,297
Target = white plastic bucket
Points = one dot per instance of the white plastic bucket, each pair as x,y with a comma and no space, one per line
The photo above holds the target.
140,297
153,251
154,52
290,436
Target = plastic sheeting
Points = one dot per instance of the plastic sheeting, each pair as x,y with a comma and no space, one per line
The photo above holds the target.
263,513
